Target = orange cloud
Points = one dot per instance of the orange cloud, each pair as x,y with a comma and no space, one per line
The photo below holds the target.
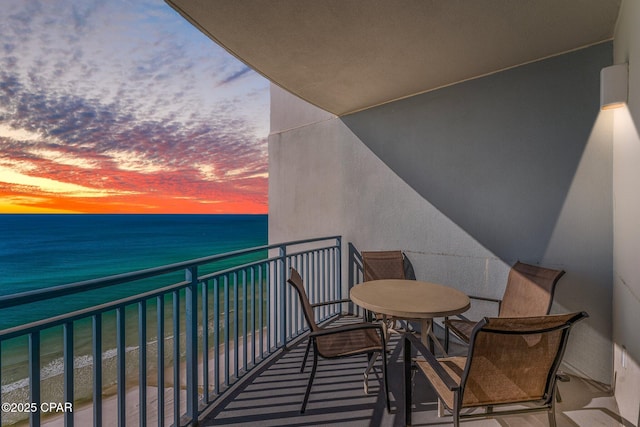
54,186
10,202
130,121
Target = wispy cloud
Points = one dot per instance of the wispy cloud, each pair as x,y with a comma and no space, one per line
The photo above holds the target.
41,186
17,134
116,99
62,157
235,76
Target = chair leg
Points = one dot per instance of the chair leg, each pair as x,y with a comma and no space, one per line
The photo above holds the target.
306,354
385,328
551,412
313,374
456,408
384,378
446,336
558,395
368,316
552,417
372,360
456,418
407,381
561,377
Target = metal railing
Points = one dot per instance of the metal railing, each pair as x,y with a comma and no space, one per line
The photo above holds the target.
180,344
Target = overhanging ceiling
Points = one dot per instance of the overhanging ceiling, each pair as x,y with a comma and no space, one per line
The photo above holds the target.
349,55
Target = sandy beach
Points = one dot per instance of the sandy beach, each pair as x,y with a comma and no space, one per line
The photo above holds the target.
83,415
83,411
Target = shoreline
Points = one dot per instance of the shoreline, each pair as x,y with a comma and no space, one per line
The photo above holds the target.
83,407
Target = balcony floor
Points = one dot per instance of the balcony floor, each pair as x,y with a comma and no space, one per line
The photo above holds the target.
273,394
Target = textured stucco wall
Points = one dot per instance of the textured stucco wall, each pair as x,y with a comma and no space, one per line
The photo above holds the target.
626,185
466,180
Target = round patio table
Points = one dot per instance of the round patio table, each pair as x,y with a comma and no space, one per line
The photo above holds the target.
411,299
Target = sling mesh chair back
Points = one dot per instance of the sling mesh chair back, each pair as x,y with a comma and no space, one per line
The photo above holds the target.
337,342
529,292
380,265
510,361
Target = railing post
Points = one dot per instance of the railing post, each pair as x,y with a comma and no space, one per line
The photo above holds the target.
283,282
68,371
121,366
340,294
97,369
176,357
351,262
160,356
1,412
191,319
142,362
34,376
351,268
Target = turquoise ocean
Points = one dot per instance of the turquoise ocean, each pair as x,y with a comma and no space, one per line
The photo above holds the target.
44,250
39,251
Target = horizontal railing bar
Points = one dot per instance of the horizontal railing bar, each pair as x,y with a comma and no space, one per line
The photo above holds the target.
305,241
215,274
266,260
293,254
220,273
88,312
86,285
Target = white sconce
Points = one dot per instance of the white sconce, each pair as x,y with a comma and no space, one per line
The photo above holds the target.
613,86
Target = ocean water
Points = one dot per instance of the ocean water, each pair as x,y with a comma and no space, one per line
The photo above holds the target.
39,251
46,250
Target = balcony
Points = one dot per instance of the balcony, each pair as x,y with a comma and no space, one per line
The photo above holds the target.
272,397
239,366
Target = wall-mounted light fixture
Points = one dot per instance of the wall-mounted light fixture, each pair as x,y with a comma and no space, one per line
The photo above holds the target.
613,86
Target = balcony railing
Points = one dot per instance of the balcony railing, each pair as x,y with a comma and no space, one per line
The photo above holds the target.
191,338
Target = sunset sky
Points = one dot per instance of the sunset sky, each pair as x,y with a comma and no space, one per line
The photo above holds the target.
123,107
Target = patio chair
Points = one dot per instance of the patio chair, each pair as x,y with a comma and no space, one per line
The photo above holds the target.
313,306
510,361
343,341
379,265
529,292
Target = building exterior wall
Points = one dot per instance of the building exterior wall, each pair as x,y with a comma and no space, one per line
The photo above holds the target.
626,237
466,180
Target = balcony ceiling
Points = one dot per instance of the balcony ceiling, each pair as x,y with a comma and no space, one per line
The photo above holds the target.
349,55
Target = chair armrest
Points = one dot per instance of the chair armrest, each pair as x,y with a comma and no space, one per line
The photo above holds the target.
345,328
479,298
431,359
485,299
320,304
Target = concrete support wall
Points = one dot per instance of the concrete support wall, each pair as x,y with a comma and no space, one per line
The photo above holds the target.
466,180
626,195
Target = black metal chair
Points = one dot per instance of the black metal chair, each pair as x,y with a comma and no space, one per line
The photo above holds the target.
344,341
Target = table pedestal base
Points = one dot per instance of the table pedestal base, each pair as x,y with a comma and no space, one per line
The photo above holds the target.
427,336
